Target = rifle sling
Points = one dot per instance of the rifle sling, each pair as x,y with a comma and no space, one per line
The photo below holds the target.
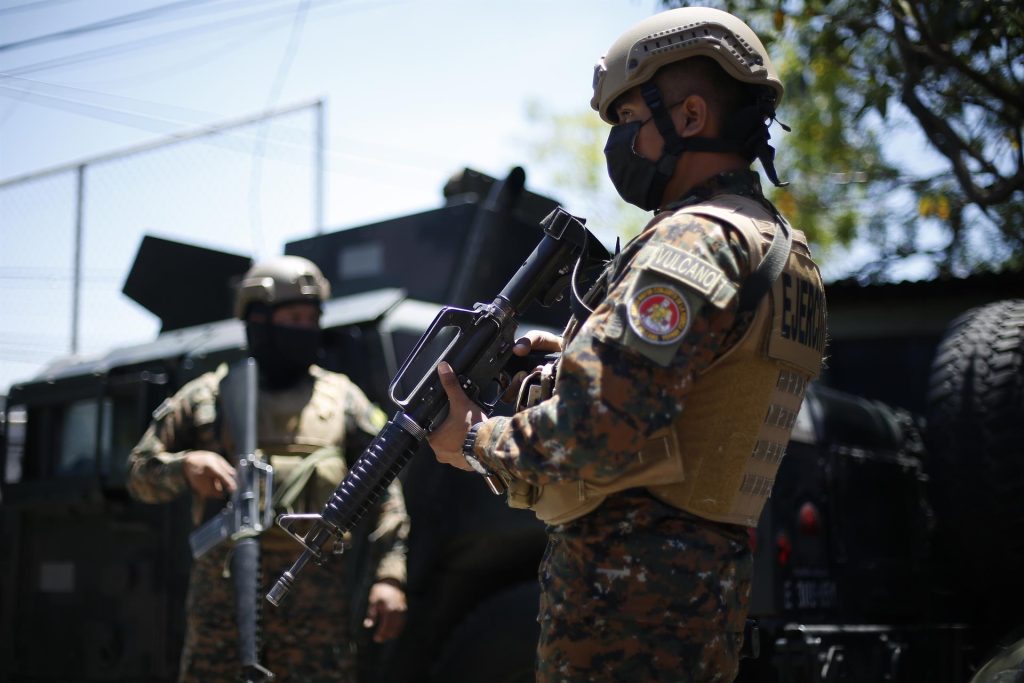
290,489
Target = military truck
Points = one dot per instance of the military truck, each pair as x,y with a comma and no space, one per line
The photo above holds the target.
858,554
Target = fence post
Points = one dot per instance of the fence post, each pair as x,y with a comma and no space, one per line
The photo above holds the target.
76,276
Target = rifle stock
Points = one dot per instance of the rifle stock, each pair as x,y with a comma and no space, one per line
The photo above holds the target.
478,345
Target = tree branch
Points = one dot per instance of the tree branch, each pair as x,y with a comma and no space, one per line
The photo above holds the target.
943,56
948,141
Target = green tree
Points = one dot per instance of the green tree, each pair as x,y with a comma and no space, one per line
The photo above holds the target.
857,74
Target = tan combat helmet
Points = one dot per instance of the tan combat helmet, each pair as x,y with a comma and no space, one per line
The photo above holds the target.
279,280
675,35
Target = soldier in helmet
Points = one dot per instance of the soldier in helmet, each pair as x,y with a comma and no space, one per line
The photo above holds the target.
675,394
308,419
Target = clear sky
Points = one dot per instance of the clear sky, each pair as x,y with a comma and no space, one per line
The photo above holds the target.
413,90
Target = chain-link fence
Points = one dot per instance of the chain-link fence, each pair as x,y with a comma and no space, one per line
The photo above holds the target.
68,236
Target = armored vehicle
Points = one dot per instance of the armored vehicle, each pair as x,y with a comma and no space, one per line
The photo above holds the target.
889,551
86,566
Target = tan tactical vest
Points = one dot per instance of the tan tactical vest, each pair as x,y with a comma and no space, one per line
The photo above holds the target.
295,425
719,459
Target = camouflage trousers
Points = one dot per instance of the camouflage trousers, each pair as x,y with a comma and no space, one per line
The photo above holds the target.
641,591
306,639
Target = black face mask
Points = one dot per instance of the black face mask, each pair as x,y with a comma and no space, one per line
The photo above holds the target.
642,182
639,181
284,354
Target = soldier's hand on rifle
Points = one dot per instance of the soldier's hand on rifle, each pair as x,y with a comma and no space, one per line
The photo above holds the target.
208,474
534,340
447,439
537,340
386,611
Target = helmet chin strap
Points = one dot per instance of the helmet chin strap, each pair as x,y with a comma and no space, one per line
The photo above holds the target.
754,145
673,149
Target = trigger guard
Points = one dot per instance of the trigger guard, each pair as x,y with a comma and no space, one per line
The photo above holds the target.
494,385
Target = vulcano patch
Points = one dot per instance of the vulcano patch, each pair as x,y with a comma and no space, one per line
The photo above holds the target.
658,314
692,271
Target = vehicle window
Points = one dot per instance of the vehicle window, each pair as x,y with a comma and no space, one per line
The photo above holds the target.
121,433
361,260
15,435
77,455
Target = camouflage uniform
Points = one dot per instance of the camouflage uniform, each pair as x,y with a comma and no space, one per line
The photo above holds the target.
308,637
636,590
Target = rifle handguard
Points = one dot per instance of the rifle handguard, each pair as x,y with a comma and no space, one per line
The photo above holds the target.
479,352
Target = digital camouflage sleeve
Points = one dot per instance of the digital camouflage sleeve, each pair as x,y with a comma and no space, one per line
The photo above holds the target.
610,396
185,422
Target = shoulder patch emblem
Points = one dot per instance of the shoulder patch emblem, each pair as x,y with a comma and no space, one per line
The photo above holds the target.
659,314
687,267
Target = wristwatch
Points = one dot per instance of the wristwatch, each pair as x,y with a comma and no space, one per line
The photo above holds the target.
494,482
467,450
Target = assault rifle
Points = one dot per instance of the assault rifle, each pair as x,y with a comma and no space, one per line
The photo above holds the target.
247,514
478,345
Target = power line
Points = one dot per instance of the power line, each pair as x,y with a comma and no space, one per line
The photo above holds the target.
158,39
67,92
171,138
30,355
37,349
189,60
110,114
31,6
255,225
18,94
113,22
73,98
60,277
112,51
172,127
28,340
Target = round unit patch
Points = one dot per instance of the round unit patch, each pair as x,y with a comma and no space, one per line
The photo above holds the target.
658,314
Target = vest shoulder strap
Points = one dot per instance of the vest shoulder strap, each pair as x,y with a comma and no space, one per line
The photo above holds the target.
728,208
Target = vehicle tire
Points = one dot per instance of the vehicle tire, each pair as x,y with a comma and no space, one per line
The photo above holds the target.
975,458
1005,663
496,643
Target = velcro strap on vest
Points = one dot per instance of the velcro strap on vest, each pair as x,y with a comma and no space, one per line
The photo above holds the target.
290,489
